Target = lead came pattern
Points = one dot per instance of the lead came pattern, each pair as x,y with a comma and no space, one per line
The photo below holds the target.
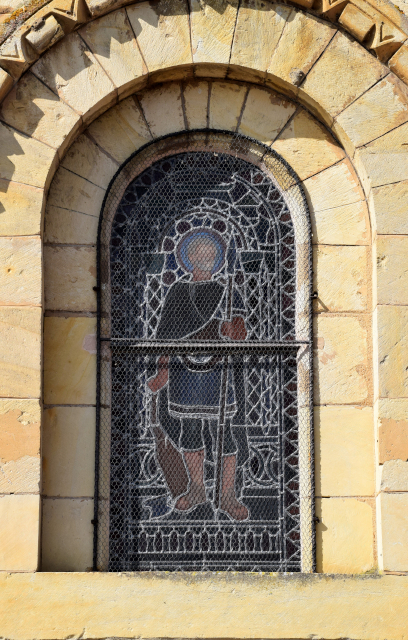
204,451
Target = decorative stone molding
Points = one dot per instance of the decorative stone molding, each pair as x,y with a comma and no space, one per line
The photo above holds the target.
381,30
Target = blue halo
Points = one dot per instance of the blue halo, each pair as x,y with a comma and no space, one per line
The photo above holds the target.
184,243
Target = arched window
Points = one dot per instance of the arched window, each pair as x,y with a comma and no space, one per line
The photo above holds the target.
204,445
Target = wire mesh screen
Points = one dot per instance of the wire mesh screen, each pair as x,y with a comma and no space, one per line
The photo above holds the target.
204,437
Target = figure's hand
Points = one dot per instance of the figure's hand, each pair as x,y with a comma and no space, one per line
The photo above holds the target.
161,378
235,329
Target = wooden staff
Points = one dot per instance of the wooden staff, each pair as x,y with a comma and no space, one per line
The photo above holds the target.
223,407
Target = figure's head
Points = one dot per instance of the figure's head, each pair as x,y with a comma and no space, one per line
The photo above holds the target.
202,253
201,250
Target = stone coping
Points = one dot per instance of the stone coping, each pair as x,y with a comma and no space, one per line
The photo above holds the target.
214,605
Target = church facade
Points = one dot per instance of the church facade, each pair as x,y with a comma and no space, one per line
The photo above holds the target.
204,316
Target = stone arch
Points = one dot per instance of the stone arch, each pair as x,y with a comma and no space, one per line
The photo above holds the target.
48,108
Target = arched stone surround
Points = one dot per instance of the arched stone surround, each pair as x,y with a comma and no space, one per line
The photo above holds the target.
48,109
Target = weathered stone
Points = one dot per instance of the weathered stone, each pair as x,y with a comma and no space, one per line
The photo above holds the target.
70,275
211,37
334,187
121,130
163,109
47,33
348,224
6,82
20,352
24,159
265,114
303,40
307,146
98,7
36,111
394,476
163,33
341,75
341,276
344,536
344,451
257,34
342,372
399,64
112,42
196,104
70,191
68,453
20,260
69,227
72,71
377,111
394,526
392,269
358,23
19,446
20,209
392,429
67,535
88,160
19,532
393,351
378,168
69,360
223,94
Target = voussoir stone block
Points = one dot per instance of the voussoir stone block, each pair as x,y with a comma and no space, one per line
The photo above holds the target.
342,372
393,351
196,103
67,534
69,360
392,269
344,451
264,115
87,159
70,275
347,224
112,42
377,111
344,535
392,429
334,187
35,110
62,226
72,72
223,94
212,29
341,276
307,146
71,191
24,159
121,130
163,33
394,525
303,40
20,422
258,30
68,453
20,259
21,206
341,75
20,352
163,109
19,532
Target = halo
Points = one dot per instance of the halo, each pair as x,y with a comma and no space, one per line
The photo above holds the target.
185,241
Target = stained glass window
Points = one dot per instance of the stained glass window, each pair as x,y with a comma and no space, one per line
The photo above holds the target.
204,440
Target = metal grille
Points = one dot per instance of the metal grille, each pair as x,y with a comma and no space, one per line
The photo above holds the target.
204,439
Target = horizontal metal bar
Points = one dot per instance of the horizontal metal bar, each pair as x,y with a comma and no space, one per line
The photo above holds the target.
219,347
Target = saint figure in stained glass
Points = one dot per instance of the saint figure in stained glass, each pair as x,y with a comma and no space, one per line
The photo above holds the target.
201,393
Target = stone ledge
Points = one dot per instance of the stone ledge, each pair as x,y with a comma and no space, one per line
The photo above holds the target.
157,605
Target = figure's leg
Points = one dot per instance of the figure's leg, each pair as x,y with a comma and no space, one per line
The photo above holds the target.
196,493
229,501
